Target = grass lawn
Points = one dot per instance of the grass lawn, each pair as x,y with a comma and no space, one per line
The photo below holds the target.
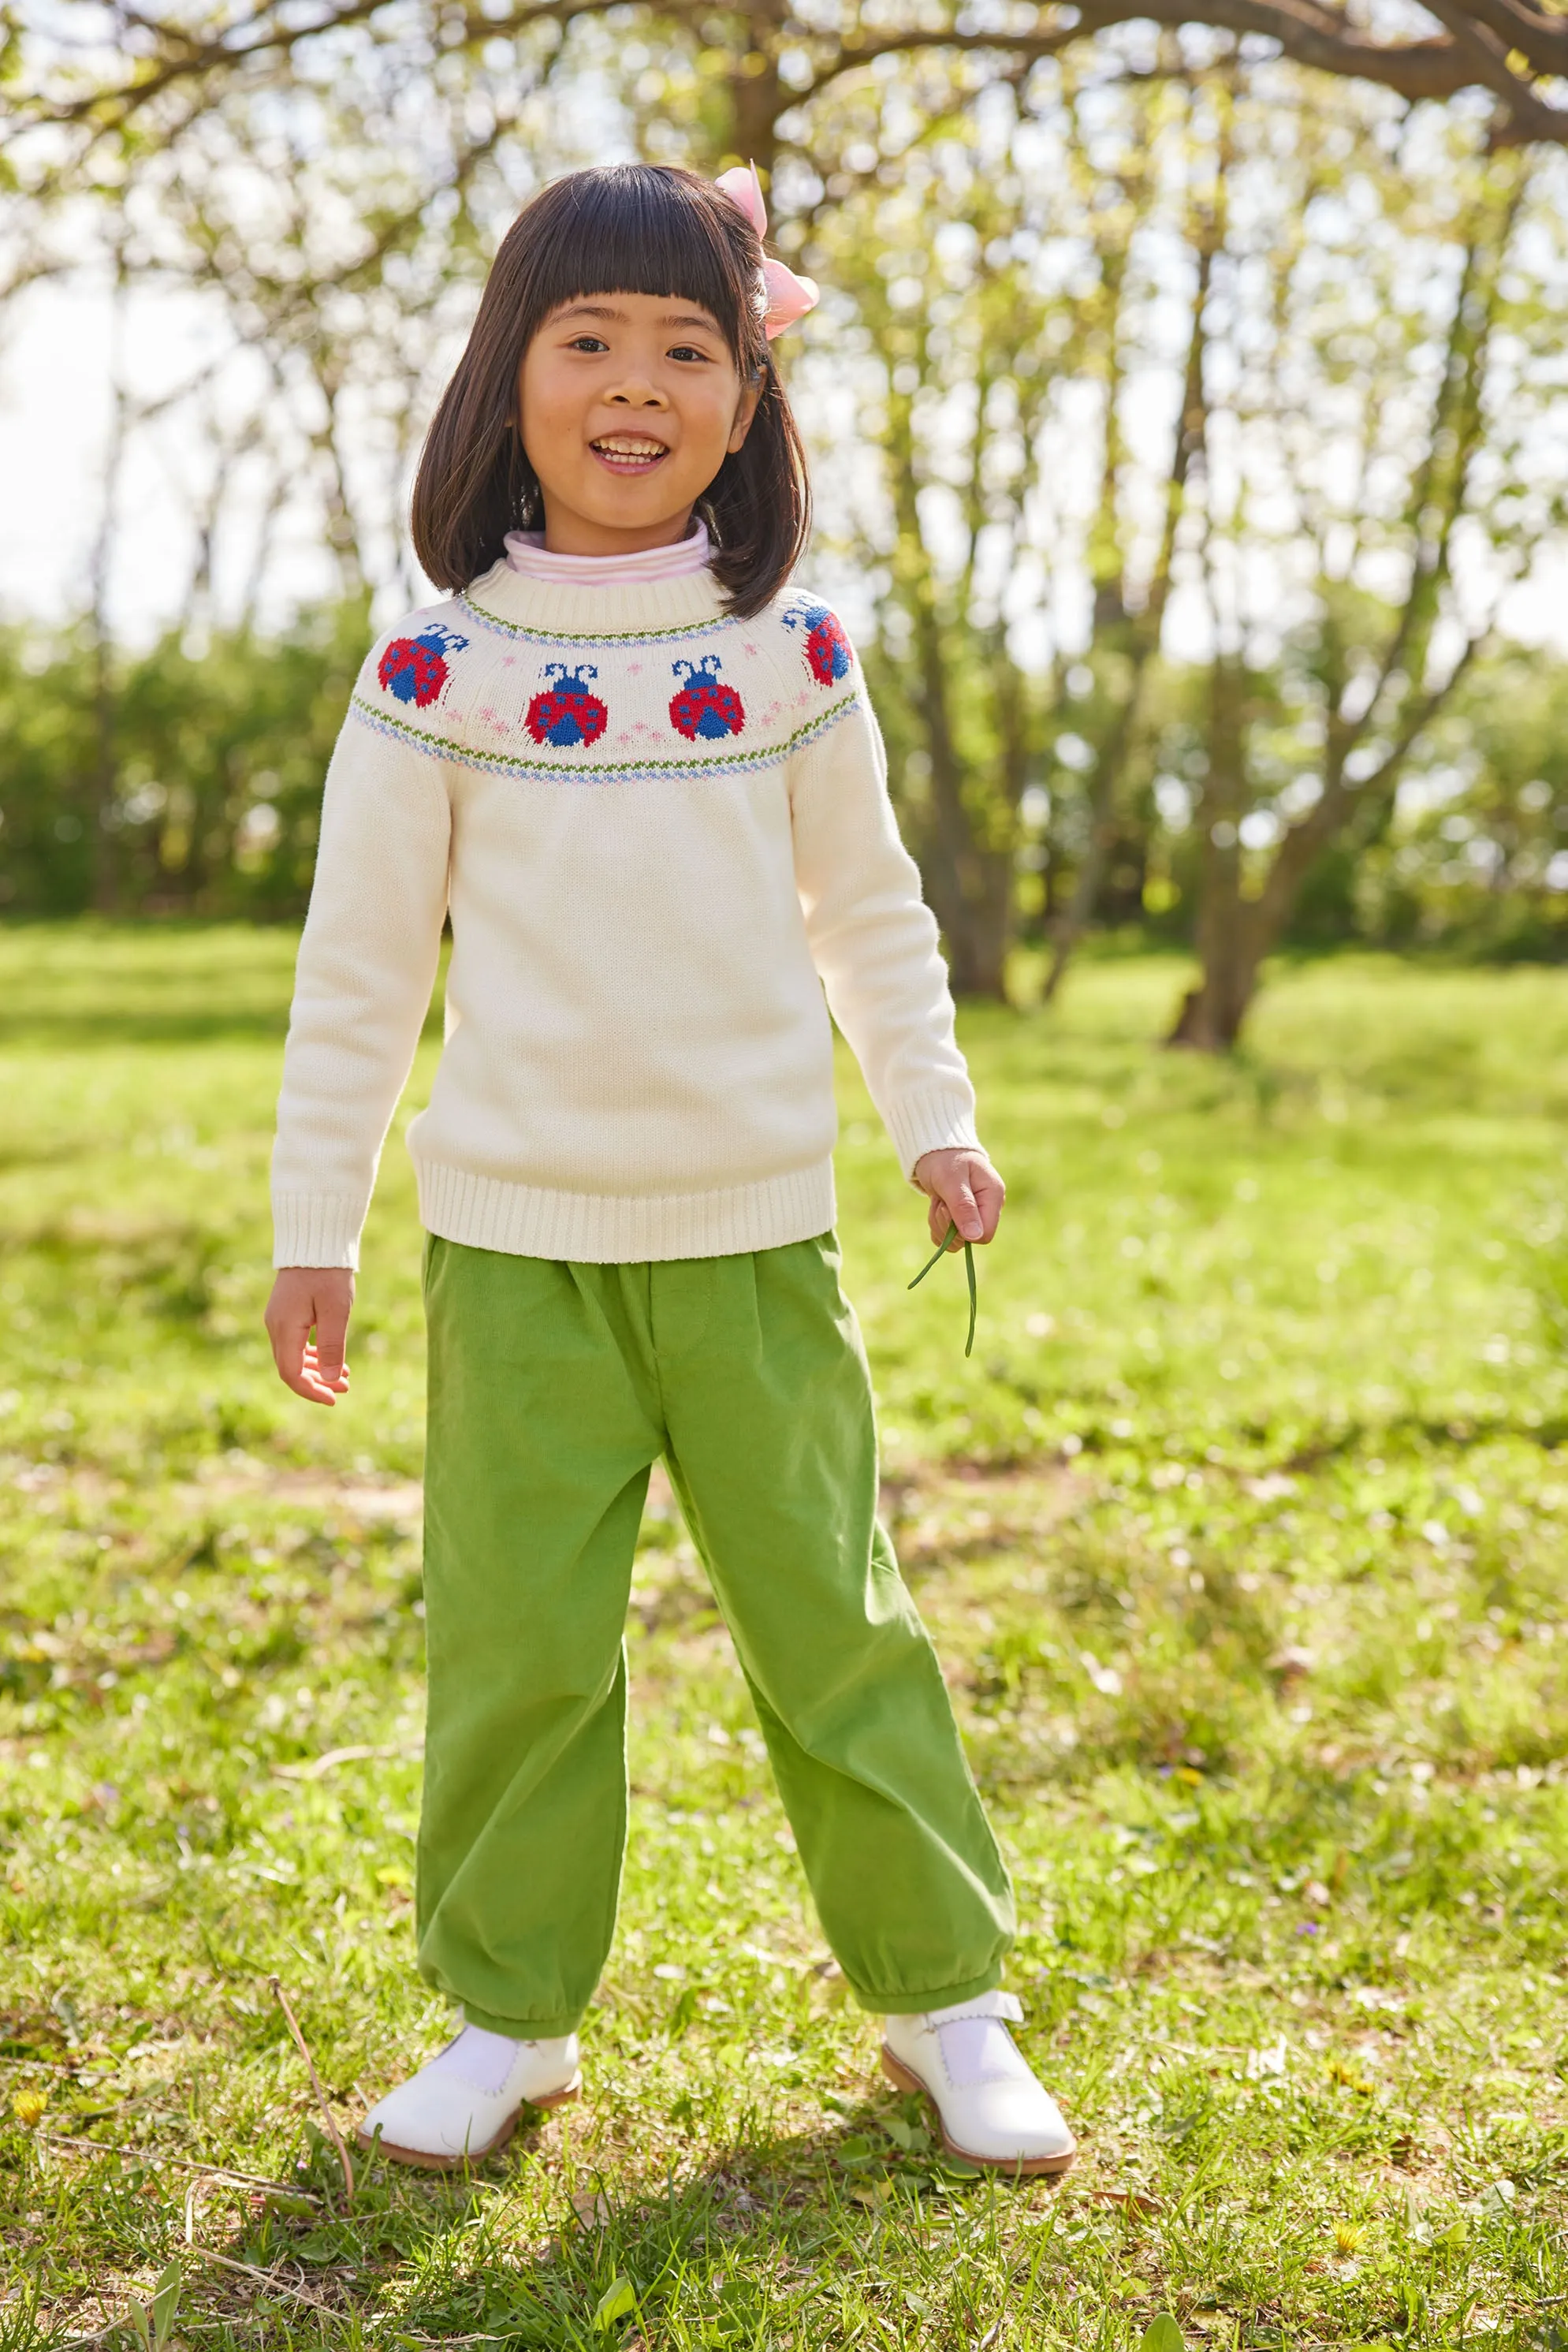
1242,1535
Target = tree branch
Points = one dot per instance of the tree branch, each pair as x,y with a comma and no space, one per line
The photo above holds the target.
1502,46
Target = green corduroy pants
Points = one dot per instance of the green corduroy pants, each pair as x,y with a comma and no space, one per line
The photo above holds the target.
553,1389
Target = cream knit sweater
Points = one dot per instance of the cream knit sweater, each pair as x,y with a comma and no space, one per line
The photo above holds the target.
660,833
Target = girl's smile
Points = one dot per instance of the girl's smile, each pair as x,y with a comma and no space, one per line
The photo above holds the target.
626,454
628,405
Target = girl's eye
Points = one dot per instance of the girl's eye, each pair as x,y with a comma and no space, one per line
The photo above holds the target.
686,352
588,343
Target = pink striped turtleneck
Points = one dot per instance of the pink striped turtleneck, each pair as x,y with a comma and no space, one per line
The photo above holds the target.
526,553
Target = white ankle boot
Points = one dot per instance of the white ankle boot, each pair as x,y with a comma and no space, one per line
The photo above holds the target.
992,2109
464,2105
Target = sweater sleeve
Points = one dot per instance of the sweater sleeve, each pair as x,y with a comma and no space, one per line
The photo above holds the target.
874,941
363,986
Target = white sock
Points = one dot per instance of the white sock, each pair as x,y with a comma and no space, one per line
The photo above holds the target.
976,2048
481,2059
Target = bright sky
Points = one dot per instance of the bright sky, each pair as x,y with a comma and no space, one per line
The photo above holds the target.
54,422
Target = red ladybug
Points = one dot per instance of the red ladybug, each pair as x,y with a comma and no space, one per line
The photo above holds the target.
828,651
705,705
565,713
414,670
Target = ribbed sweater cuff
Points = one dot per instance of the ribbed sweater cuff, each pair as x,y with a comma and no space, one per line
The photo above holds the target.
315,1229
930,1121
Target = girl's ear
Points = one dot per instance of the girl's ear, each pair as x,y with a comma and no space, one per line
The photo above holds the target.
744,413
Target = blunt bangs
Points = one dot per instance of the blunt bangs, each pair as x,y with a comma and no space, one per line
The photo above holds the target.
621,229
633,228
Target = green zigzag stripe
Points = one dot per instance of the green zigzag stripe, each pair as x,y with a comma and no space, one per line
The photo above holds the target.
568,771
628,638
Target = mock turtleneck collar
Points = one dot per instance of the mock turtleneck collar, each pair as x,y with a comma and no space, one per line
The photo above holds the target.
528,554
564,612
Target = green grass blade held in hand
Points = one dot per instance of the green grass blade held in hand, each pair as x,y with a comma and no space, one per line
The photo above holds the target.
948,1238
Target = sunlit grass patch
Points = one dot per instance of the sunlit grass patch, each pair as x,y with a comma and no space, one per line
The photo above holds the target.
1242,1538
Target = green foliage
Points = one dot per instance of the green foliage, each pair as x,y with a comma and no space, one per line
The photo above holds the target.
155,2322
1242,1539
1363,332
215,758
1163,2335
619,2301
1463,862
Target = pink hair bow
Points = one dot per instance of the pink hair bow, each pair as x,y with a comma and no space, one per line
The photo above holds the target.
789,297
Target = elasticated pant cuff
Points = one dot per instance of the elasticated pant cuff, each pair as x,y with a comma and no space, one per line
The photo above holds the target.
914,2004
522,2028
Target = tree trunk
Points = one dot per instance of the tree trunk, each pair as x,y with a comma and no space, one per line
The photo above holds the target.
969,885
1141,635
1076,915
1211,1014
976,926
103,782
1227,940
757,96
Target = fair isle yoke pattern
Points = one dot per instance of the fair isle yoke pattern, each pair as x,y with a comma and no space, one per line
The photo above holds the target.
709,698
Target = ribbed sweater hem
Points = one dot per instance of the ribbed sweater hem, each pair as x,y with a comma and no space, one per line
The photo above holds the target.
600,1229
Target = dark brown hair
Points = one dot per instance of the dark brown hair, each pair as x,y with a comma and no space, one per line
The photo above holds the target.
621,229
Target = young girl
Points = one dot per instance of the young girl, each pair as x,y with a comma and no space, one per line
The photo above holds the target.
639,772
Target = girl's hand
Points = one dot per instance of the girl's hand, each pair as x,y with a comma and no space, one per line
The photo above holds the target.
964,1190
305,1299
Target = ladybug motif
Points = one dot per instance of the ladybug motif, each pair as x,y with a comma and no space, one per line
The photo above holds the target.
414,670
705,705
565,713
829,652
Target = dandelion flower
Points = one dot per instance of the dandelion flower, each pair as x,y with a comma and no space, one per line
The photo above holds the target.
27,2106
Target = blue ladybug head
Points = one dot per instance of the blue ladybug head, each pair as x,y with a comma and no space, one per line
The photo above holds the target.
414,670
565,713
829,653
704,706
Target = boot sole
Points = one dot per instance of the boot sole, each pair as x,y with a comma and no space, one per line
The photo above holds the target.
424,2162
906,2079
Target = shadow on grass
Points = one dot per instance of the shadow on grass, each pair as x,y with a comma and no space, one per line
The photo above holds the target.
770,2238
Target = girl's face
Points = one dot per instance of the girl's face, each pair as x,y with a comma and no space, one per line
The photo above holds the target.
628,404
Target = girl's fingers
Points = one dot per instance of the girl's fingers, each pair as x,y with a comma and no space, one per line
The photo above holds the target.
964,1190
308,1323
989,1193
306,1383
331,1337
290,1349
304,1377
942,1221
964,1211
